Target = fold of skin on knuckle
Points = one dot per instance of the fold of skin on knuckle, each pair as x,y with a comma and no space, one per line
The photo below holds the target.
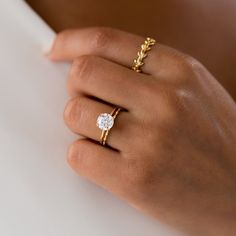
192,63
100,38
76,156
168,62
188,69
172,113
74,113
80,71
177,67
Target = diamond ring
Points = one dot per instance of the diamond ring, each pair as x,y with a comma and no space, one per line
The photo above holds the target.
105,122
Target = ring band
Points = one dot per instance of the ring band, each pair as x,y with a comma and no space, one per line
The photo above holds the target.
142,54
105,122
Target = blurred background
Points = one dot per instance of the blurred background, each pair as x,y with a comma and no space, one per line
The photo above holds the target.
205,29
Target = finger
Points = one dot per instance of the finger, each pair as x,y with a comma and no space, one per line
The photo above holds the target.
100,165
81,116
120,47
115,45
107,81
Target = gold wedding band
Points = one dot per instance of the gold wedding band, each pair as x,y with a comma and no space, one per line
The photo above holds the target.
142,54
105,122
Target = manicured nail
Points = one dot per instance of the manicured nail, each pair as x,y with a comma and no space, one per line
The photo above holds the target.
48,48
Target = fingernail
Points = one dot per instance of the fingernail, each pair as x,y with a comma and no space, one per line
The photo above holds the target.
48,48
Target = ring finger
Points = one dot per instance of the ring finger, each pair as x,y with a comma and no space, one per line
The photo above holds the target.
81,116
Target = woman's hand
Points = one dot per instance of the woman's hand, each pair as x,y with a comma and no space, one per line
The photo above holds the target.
172,152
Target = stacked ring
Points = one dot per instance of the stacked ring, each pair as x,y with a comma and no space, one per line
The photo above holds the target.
105,122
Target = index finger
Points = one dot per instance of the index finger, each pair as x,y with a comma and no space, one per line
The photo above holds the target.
114,45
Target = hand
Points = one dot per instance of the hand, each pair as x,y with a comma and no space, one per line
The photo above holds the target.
172,152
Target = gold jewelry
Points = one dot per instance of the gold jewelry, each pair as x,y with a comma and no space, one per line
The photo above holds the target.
142,54
105,122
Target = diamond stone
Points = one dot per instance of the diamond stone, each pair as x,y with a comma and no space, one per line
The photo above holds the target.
105,121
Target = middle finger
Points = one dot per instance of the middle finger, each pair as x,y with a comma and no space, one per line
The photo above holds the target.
108,81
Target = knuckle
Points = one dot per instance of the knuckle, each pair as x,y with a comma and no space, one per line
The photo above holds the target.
169,106
190,63
76,155
186,67
101,37
172,99
73,112
178,101
70,113
178,104
81,68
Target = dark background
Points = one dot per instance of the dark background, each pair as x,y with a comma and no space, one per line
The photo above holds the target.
205,29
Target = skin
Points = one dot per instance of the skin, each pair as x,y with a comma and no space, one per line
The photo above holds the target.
171,153
204,29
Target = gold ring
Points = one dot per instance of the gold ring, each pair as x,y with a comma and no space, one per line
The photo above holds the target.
105,122
142,54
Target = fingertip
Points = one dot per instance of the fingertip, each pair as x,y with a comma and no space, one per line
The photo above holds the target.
60,45
48,43
49,54
52,51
